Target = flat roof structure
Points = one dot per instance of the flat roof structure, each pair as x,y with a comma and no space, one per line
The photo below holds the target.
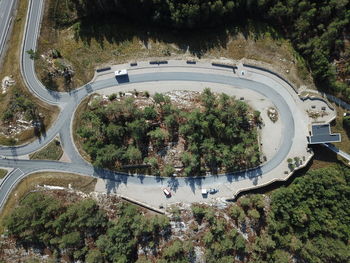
321,133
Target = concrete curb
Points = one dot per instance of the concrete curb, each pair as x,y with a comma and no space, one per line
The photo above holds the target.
273,180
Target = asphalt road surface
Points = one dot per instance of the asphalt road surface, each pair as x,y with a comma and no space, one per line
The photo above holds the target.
6,11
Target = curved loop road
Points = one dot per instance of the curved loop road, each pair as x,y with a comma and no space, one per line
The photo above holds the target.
69,101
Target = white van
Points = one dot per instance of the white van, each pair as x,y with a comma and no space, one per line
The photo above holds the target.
121,72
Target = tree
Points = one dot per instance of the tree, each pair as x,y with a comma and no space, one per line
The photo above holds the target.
172,124
300,206
258,201
71,240
138,129
198,212
297,160
245,202
168,170
33,54
237,213
254,214
133,154
257,118
158,137
346,123
28,222
177,251
94,256
150,113
159,98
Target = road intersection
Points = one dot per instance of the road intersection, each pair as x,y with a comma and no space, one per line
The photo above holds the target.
295,123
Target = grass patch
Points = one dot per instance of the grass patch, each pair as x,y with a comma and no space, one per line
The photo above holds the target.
11,67
77,122
3,173
53,151
85,184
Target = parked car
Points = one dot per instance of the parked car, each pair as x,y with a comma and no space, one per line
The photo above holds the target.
213,190
204,191
167,192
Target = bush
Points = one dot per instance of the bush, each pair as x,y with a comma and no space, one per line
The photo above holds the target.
346,123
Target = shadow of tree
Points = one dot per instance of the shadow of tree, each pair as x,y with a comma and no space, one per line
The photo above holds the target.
113,179
116,30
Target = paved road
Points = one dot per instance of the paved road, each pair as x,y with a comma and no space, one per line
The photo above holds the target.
69,101
337,151
6,11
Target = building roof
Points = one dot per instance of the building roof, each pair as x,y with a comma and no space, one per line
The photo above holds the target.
321,133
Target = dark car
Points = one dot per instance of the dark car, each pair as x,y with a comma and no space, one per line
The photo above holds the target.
213,191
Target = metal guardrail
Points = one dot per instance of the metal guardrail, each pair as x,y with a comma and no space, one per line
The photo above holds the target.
103,69
273,73
303,98
224,66
191,62
158,62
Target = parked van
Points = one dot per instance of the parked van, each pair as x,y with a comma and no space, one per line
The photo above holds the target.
121,72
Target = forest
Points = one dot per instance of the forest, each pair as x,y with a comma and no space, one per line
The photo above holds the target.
317,29
308,221
218,136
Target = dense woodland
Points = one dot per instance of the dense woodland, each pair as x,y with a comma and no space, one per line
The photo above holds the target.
308,221
317,29
219,136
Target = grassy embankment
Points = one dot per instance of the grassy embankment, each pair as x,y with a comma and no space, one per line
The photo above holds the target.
82,183
53,151
3,172
76,123
338,128
87,45
11,66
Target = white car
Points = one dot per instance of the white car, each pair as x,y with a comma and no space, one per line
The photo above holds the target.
167,192
121,72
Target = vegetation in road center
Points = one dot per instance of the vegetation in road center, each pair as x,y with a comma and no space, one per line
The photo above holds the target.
218,136
53,151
